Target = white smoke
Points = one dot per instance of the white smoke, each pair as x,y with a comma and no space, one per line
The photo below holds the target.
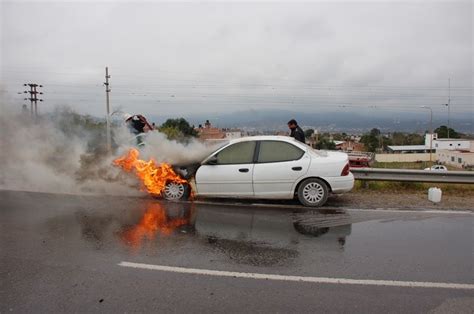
158,147
59,155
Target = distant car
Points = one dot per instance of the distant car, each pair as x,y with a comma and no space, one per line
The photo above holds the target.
267,167
437,168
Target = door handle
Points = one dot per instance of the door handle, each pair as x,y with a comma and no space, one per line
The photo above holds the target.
297,168
244,169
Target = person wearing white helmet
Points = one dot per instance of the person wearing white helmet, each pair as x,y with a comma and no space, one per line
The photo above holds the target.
126,116
137,123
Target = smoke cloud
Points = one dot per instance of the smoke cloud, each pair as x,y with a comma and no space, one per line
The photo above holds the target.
158,147
66,153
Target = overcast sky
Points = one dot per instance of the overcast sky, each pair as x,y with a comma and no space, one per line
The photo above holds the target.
172,59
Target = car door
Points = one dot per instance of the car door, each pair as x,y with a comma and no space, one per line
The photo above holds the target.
229,173
279,165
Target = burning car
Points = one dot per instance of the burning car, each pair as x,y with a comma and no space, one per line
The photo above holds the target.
265,167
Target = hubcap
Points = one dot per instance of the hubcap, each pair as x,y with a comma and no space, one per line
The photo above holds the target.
174,191
313,192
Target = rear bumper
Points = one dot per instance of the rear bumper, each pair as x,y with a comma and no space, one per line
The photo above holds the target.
341,184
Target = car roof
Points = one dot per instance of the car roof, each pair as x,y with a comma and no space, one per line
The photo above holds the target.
278,138
265,138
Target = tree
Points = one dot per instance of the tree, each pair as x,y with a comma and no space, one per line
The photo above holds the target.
172,133
324,143
370,141
375,132
179,124
443,132
400,138
340,136
415,139
308,133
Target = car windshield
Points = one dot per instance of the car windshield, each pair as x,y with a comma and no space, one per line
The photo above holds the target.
218,145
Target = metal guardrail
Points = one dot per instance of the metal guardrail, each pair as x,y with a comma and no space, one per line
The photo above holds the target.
378,174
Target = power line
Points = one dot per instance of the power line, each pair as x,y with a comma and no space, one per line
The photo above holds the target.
33,98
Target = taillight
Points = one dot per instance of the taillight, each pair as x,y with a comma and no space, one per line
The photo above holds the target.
345,171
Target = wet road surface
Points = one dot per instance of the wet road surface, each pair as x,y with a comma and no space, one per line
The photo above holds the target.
64,253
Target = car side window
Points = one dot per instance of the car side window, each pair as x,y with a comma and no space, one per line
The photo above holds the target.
239,153
274,151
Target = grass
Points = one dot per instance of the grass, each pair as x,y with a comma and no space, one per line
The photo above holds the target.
408,165
418,187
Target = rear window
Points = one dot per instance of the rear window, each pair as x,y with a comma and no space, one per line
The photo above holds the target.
274,151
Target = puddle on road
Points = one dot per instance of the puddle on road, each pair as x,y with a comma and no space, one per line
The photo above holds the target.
242,235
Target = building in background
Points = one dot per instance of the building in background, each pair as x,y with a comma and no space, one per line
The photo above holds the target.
212,134
436,144
232,134
409,149
352,146
459,153
208,132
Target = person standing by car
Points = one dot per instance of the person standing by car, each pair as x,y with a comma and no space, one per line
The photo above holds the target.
296,131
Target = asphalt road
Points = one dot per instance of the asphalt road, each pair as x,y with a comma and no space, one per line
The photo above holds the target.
64,253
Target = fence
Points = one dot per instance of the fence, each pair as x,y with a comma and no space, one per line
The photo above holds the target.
374,174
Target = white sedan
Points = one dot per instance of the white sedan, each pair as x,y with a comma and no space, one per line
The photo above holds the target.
437,168
268,167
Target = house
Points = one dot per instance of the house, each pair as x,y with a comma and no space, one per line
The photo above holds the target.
433,143
210,133
456,153
351,146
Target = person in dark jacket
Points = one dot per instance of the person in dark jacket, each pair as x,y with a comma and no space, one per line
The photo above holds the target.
138,124
296,131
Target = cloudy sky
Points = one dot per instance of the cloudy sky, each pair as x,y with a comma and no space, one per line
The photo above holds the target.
180,58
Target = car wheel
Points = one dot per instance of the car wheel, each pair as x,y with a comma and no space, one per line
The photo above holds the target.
313,192
176,191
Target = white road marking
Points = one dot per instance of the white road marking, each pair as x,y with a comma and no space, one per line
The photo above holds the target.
343,281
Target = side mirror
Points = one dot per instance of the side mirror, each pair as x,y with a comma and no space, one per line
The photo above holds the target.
212,160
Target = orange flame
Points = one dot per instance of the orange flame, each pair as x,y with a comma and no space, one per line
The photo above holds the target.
153,176
154,221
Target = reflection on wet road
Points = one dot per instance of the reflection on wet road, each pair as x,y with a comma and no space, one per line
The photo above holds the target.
99,232
254,237
158,220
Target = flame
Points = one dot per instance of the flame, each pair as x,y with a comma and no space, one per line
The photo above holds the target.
153,176
155,221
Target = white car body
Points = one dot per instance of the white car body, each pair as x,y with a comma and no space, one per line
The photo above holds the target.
437,168
275,179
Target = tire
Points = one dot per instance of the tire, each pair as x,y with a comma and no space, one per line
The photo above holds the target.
313,192
176,191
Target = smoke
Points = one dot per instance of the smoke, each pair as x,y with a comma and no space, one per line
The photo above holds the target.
158,147
65,152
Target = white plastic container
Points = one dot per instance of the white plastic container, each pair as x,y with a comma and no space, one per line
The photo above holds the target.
434,195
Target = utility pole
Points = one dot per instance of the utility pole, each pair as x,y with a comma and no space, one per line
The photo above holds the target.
107,91
33,98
